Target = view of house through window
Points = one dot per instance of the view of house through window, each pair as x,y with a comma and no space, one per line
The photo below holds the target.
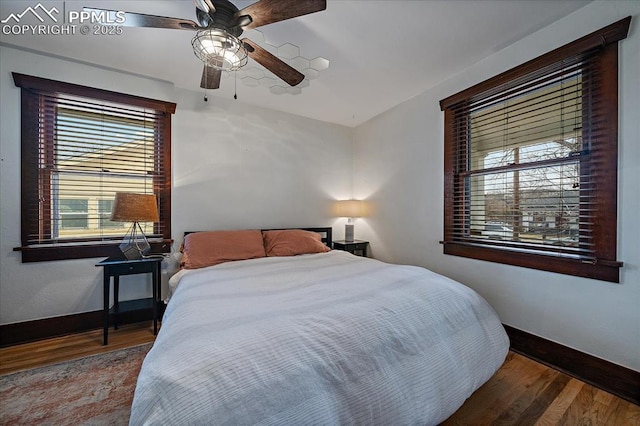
96,156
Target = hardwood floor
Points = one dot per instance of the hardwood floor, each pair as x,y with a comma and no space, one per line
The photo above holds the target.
58,349
522,392
525,392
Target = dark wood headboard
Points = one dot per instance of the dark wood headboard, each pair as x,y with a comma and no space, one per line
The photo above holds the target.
325,233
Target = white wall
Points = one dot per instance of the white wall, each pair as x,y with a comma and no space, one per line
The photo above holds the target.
234,166
399,169
238,166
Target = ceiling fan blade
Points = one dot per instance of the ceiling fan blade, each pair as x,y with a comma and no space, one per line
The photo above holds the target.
290,75
266,12
142,20
210,78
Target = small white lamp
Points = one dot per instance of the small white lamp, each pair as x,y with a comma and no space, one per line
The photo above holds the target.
349,209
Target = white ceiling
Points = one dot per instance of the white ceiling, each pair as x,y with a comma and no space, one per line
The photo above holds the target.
381,53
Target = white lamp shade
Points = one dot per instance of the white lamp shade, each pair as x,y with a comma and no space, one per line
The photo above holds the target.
349,208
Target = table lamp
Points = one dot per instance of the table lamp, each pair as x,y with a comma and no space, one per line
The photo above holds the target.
136,208
349,209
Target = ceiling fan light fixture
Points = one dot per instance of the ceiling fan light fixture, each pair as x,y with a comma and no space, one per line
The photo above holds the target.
219,49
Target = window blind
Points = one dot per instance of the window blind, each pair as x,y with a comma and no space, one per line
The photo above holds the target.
81,146
531,162
525,168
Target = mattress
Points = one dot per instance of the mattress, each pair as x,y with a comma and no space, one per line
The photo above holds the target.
323,339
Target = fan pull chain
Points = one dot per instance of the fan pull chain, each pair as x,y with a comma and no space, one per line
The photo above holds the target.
206,84
235,85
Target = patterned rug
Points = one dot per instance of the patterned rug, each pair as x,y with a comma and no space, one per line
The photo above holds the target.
96,390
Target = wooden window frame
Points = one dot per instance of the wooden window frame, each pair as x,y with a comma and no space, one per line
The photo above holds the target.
605,265
81,248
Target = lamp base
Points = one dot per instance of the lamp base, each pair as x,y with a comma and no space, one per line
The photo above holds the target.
134,245
135,250
348,232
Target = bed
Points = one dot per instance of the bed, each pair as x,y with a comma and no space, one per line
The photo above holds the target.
322,338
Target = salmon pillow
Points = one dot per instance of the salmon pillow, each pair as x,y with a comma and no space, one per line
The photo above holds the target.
200,249
291,242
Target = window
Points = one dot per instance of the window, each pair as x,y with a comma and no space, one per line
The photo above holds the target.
79,147
531,162
72,215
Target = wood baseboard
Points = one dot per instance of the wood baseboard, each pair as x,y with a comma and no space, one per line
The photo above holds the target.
613,378
30,331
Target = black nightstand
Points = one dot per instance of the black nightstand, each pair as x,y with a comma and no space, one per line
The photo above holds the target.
357,247
117,266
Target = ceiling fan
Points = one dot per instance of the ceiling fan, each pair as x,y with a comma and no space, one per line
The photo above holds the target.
219,26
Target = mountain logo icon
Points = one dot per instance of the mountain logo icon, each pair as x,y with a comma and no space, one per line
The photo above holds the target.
34,11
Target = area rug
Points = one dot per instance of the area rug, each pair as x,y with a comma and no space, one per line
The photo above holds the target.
96,390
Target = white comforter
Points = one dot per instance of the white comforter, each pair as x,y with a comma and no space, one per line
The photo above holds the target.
323,339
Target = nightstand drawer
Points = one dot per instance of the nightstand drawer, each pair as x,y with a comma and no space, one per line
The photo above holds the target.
130,268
